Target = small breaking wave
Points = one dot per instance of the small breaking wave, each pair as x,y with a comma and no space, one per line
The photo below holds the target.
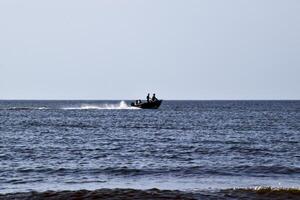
119,106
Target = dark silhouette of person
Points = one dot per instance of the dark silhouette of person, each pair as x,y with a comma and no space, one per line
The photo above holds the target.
148,97
154,98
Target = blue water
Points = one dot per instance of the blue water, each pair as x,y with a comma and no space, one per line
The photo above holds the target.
186,145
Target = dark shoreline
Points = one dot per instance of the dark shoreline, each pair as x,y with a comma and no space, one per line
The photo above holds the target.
133,194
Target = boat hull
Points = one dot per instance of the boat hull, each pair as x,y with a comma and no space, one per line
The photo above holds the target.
148,105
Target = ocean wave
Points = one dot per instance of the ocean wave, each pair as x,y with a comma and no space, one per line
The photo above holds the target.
24,108
179,171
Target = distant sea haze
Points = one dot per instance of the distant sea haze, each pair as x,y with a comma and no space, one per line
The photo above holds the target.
184,145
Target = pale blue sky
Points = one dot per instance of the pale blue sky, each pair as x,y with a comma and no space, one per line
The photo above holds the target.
96,49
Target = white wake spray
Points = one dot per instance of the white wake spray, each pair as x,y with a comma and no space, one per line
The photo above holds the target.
120,106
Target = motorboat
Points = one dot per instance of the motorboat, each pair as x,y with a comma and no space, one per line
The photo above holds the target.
147,105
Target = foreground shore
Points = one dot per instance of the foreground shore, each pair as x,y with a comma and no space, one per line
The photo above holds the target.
132,194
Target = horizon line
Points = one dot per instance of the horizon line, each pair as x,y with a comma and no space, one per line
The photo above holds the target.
143,99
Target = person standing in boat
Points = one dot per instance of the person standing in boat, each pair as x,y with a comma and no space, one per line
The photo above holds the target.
148,97
154,98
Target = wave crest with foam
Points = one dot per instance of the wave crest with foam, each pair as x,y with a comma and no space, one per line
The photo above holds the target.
119,106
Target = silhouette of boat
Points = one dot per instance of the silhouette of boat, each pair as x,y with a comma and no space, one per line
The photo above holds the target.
147,105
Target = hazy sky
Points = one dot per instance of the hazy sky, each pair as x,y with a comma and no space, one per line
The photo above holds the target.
118,49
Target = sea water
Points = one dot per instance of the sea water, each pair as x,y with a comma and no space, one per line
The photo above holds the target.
185,145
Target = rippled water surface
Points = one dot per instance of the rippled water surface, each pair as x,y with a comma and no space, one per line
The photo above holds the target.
186,145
